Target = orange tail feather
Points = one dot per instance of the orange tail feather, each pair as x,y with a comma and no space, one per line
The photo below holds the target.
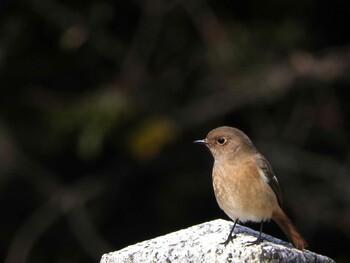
289,229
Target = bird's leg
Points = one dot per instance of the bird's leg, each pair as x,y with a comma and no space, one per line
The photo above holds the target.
259,238
230,236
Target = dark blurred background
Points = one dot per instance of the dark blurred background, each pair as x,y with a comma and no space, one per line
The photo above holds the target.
100,102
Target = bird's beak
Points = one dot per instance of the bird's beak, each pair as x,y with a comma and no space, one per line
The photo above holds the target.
201,141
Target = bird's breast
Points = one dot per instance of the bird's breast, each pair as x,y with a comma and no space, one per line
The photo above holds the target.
241,192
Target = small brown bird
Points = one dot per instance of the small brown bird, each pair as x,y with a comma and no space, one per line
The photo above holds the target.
245,186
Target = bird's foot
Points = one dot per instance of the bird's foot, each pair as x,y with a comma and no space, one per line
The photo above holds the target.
255,242
229,239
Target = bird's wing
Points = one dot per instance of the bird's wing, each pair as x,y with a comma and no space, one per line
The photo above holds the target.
265,166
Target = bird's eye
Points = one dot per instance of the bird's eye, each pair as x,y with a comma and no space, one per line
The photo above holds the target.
221,141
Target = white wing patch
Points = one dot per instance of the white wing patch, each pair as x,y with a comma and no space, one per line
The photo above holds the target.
263,176
266,178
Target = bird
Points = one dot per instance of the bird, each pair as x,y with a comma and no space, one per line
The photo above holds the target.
245,185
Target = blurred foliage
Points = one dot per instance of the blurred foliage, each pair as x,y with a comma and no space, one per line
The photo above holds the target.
100,103
148,139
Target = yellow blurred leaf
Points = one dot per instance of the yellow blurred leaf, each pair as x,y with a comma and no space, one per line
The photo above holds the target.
151,136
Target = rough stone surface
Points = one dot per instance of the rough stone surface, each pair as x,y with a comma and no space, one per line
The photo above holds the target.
201,243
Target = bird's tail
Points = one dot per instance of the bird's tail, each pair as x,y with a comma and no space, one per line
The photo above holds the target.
289,229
